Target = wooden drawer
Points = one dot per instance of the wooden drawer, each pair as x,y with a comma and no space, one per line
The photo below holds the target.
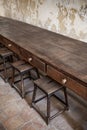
67,81
5,41
33,60
11,46
37,63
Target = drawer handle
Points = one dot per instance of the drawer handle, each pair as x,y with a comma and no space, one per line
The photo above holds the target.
64,81
9,45
30,59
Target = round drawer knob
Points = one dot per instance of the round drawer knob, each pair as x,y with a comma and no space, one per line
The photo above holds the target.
64,81
9,45
30,59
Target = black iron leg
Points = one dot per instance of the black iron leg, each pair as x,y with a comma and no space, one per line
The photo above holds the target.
48,109
66,99
34,94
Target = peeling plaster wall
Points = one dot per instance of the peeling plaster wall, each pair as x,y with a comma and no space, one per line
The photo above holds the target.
68,17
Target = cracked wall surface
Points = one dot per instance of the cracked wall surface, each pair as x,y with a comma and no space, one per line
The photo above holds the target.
68,17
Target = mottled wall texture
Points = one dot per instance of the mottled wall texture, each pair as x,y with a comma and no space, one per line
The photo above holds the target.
68,17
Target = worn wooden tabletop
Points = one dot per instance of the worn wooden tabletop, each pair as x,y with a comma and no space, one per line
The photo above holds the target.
65,54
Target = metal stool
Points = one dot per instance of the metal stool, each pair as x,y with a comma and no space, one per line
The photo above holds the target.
49,87
22,68
5,55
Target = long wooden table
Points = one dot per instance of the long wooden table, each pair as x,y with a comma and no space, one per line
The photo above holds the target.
62,58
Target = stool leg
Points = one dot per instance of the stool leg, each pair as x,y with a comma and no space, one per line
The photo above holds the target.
11,58
66,99
22,86
5,70
34,95
37,72
30,75
13,75
48,109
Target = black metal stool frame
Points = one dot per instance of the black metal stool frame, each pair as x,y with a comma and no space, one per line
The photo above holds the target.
4,66
48,118
22,79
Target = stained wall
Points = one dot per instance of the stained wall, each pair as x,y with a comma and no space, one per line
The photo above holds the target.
68,17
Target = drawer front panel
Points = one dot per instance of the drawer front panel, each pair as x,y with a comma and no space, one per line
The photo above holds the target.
37,63
6,42
11,46
32,59
68,82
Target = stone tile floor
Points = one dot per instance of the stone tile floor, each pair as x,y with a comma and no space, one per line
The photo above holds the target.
16,114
